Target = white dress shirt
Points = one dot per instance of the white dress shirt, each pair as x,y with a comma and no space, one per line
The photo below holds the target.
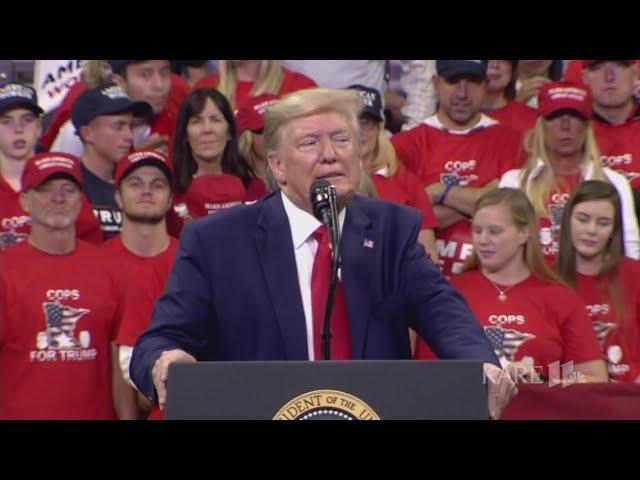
303,224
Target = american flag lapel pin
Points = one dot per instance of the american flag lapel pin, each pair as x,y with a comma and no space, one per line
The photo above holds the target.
367,243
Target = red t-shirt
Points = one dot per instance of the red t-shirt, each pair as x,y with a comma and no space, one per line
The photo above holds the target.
58,319
620,148
141,296
471,159
15,223
540,320
550,227
291,82
256,190
131,262
620,346
405,188
516,115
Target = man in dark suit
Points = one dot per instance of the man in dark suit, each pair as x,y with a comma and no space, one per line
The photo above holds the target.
245,281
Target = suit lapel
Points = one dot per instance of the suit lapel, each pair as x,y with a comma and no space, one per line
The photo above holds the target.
359,248
277,258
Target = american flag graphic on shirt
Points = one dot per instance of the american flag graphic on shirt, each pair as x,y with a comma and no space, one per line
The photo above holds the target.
602,329
506,341
7,239
61,323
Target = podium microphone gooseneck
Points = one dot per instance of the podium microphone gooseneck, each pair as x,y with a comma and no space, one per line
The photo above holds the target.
325,208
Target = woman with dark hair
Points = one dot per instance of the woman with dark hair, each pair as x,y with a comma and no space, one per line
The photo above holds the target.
499,102
530,317
591,260
532,75
210,172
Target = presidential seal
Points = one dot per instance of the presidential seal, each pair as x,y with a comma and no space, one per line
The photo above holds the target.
326,405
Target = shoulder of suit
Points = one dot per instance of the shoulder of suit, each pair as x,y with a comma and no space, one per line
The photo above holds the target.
377,208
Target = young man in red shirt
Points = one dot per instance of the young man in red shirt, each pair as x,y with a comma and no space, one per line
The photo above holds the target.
144,249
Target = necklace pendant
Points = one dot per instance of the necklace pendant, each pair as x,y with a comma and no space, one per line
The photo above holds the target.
502,297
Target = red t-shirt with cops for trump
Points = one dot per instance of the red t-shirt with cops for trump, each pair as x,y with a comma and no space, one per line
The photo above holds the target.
471,158
545,322
620,148
58,317
619,340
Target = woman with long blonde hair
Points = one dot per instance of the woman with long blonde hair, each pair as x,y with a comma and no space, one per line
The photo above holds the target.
562,153
238,80
531,318
592,263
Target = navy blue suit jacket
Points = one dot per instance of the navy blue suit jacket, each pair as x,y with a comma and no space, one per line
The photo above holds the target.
233,292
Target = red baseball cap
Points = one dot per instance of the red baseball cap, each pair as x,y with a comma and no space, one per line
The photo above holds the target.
564,96
210,193
141,158
250,116
591,63
39,168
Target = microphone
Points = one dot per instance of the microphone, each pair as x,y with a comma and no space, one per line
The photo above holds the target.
320,194
325,208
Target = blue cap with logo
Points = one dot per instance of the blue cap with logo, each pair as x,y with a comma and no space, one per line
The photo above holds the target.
105,100
372,101
453,68
14,95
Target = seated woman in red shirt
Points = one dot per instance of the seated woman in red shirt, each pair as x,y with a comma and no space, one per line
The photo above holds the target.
535,323
210,172
240,79
499,102
591,261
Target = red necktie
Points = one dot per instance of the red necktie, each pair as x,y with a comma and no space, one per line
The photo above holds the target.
320,275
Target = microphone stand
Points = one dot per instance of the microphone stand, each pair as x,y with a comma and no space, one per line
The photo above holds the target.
334,238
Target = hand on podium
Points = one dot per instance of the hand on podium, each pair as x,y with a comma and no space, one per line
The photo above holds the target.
161,369
501,389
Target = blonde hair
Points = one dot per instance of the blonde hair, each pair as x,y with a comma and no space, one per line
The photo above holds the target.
383,155
245,145
539,187
523,216
269,79
367,188
307,102
96,72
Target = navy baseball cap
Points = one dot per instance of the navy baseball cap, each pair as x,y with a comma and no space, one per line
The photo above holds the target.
453,68
105,100
372,101
13,95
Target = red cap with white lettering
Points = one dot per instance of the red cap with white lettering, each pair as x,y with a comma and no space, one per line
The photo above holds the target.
40,168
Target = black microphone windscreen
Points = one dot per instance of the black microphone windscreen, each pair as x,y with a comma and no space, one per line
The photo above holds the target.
319,195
